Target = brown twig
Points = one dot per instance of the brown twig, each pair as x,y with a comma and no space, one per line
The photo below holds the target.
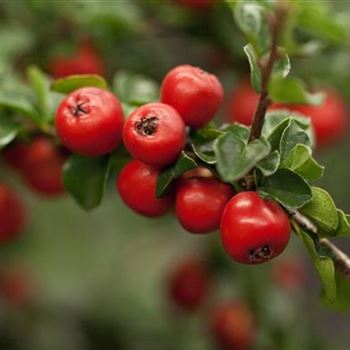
340,259
276,24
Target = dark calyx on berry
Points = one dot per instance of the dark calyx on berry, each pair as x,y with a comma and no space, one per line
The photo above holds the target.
81,108
260,254
147,125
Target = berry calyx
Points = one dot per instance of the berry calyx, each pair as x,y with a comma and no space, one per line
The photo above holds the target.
12,214
253,229
155,134
200,202
233,326
89,121
194,93
328,119
136,185
189,284
243,103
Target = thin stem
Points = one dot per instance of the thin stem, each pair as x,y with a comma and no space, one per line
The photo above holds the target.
276,25
340,259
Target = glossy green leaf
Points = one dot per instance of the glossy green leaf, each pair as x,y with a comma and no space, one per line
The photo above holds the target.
292,90
276,133
235,159
8,131
322,211
282,66
292,135
73,82
255,73
85,178
287,188
301,161
168,175
343,228
324,265
269,164
135,89
248,16
239,130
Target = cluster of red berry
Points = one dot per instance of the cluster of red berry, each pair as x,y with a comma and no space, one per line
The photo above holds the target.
90,122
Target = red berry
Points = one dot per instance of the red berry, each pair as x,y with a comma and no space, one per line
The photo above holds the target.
233,326
86,60
189,284
136,184
89,121
243,103
328,119
194,93
253,229
196,4
200,203
155,134
42,166
17,285
12,215
289,274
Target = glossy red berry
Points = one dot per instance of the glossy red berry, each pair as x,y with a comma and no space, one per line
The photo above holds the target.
89,121
86,60
155,134
200,203
233,326
136,184
328,119
243,103
12,214
42,166
253,229
194,93
189,284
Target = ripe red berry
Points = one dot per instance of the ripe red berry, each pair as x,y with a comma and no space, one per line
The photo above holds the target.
196,4
136,184
253,229
12,215
86,60
200,203
42,166
189,284
233,326
243,103
194,93
328,119
155,134
89,121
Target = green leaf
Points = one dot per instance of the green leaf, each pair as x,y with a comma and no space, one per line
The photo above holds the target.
282,66
301,161
203,141
292,135
248,16
74,82
235,159
167,176
269,164
322,211
20,104
255,73
287,188
292,90
276,133
85,179
320,20
324,265
343,228
135,89
8,131
342,303
239,130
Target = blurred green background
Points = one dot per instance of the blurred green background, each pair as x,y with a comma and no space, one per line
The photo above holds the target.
102,275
